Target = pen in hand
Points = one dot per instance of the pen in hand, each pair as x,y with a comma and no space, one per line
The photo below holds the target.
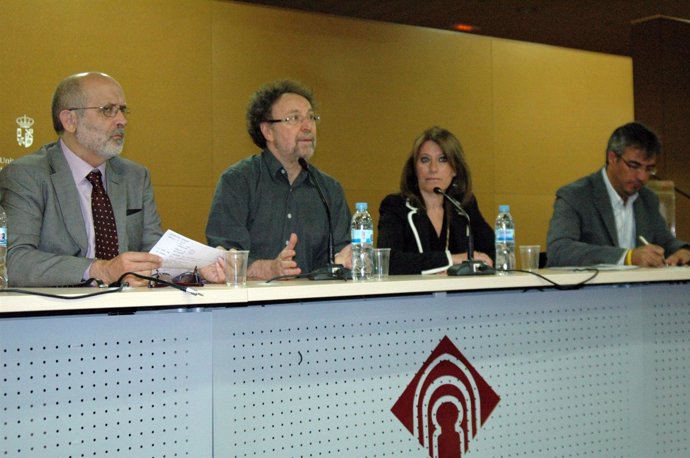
644,241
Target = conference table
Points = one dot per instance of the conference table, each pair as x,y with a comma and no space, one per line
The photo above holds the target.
503,365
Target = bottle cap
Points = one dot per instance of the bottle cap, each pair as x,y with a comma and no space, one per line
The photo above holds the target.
504,208
361,206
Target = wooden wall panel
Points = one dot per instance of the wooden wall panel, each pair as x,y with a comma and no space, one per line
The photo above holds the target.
661,57
554,111
378,86
159,50
189,67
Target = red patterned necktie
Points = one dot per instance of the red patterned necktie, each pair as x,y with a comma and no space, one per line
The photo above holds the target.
103,218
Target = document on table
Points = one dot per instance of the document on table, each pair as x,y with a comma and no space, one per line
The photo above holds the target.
613,267
182,253
597,266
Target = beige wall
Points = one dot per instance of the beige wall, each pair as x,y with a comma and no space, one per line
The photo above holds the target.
530,117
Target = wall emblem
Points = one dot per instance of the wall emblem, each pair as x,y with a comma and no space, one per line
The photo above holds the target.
446,402
25,134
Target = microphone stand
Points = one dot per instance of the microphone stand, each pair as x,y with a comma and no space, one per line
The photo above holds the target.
331,271
471,266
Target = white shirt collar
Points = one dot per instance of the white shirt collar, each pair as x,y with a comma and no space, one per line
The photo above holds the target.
614,197
623,214
79,167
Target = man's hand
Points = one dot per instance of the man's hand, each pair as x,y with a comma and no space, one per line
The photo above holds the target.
131,261
679,258
648,256
344,257
214,273
282,265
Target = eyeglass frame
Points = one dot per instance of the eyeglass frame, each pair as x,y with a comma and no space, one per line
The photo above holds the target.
637,167
296,119
193,279
106,109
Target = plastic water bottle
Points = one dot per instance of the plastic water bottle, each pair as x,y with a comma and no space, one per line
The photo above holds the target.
362,243
3,248
505,239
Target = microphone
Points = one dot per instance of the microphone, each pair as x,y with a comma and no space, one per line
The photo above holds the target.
471,266
331,271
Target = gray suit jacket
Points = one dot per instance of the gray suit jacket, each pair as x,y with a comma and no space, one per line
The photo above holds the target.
583,232
47,235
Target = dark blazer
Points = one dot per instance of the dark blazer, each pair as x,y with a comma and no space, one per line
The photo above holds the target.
415,246
583,232
47,235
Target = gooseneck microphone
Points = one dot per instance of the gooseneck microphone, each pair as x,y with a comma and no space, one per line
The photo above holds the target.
461,211
471,266
332,271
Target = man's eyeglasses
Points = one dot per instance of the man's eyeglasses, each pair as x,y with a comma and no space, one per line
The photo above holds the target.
636,166
185,279
109,111
296,119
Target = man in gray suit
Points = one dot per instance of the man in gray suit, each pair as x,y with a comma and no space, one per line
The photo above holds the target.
610,217
47,196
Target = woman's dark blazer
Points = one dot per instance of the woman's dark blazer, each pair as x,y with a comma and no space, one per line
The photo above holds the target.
415,246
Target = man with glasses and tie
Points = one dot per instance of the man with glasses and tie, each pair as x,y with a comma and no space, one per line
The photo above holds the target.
610,217
267,203
76,210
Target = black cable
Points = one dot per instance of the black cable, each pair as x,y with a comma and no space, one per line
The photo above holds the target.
339,276
119,285
115,287
184,289
288,277
57,296
558,286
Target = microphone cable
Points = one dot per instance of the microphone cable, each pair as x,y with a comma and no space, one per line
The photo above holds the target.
103,289
286,277
339,276
118,286
559,286
183,288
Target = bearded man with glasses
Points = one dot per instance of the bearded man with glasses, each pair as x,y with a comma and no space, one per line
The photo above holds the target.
267,203
610,217
75,208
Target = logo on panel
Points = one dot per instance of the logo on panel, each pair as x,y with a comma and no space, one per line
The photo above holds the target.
25,133
446,402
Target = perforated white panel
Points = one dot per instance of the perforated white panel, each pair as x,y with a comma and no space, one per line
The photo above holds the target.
106,386
601,372
668,327
578,373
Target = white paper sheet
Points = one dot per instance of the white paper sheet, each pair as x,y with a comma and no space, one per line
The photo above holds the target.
182,253
596,266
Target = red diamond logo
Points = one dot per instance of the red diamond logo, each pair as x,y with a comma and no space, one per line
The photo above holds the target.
446,402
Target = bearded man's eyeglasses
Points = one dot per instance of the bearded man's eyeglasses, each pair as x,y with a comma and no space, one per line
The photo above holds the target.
109,111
